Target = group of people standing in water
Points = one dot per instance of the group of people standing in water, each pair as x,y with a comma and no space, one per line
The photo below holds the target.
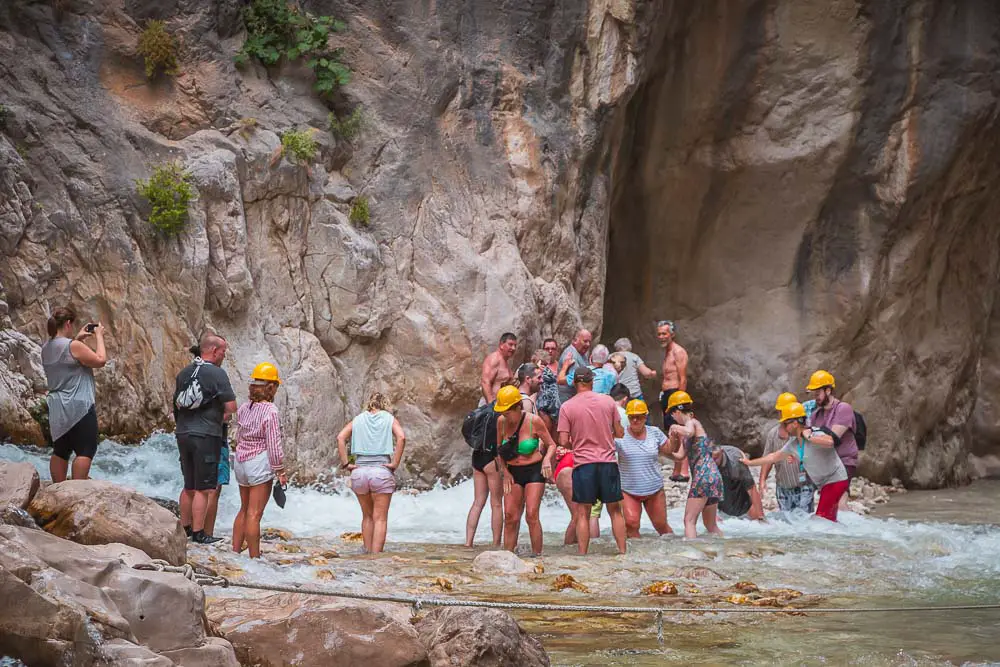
577,419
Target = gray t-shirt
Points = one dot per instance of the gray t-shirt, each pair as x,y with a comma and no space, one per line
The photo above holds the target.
71,386
630,374
566,391
786,475
737,480
821,463
206,420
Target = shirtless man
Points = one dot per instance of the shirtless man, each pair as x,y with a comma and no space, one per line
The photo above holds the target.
496,368
675,365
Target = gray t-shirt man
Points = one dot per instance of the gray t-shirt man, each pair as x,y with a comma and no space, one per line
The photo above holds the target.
630,374
566,391
206,420
822,463
786,475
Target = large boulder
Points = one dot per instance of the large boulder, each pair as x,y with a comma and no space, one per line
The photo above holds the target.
311,631
500,562
95,512
66,603
460,637
18,483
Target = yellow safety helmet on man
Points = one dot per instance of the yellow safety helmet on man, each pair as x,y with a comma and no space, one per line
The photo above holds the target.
265,372
507,398
785,398
820,379
678,398
792,411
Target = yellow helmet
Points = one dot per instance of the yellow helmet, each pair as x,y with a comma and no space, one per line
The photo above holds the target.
793,411
678,398
820,379
507,398
265,371
636,407
784,399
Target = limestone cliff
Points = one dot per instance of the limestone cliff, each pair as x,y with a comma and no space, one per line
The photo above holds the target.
799,184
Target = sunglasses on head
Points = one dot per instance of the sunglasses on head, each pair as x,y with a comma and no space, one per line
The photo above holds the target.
684,408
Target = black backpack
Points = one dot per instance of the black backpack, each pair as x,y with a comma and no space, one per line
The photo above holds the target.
480,428
860,430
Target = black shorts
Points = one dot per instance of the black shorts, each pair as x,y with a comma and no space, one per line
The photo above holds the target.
668,421
80,440
481,459
597,481
199,460
529,474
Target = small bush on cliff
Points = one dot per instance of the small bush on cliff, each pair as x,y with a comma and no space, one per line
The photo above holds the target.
169,193
277,29
158,49
4,115
299,143
360,215
349,127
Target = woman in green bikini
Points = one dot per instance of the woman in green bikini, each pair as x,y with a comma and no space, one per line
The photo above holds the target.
522,441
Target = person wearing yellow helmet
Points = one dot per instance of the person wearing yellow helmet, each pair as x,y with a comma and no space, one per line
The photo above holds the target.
259,456
639,453
523,442
373,433
688,440
814,447
837,416
791,483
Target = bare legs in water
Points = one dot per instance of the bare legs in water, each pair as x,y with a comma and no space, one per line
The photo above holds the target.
488,485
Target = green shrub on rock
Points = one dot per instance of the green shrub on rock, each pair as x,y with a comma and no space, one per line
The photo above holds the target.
349,127
360,215
277,29
4,115
158,49
300,143
169,192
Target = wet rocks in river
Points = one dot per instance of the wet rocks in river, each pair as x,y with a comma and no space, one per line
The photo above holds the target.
274,534
660,588
564,581
12,515
171,506
457,637
18,483
95,512
500,562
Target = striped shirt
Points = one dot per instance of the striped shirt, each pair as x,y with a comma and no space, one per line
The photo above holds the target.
639,462
259,430
786,475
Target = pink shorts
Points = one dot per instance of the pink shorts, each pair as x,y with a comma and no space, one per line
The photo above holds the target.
372,479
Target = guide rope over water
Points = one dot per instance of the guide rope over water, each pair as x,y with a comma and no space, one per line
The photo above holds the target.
418,603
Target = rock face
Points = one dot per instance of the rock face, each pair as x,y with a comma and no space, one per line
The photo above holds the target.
457,637
18,483
69,604
799,184
812,185
305,630
94,512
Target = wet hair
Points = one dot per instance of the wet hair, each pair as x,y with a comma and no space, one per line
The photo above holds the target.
599,355
506,337
195,350
669,324
540,357
550,340
377,401
620,391
524,371
58,318
262,391
623,345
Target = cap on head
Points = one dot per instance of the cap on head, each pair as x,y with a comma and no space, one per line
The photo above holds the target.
507,398
265,372
820,379
784,399
636,407
678,398
583,376
793,411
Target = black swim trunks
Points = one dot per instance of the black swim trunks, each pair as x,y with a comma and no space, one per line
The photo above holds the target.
80,440
597,481
481,459
199,460
529,474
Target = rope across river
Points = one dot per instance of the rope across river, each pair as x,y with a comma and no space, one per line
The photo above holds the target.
419,602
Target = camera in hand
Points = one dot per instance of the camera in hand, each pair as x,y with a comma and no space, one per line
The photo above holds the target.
91,327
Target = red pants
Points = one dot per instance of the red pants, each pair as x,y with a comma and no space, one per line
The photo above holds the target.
829,499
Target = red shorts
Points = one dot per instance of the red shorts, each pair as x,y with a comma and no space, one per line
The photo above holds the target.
564,463
829,499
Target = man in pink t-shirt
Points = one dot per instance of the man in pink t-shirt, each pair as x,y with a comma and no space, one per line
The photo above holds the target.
589,424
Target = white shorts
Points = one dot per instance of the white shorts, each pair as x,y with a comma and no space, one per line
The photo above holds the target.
254,471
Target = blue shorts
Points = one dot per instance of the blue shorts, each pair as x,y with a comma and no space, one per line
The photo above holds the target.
224,466
597,481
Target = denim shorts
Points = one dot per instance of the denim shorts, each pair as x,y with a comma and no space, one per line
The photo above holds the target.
800,498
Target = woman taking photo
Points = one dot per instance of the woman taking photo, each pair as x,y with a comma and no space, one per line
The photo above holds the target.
523,439
639,464
259,456
376,459
688,439
69,364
